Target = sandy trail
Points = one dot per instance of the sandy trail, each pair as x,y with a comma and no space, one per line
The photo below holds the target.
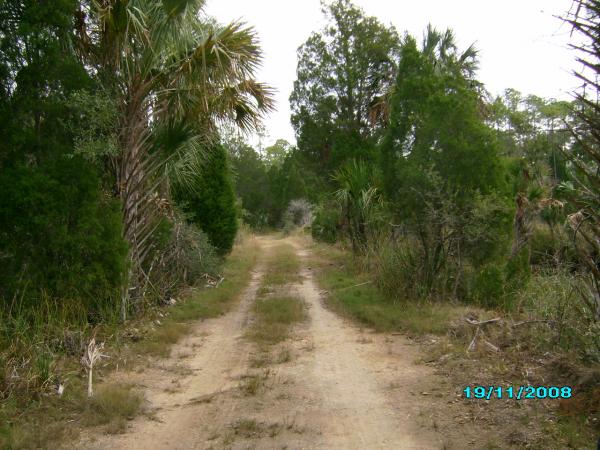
342,388
172,387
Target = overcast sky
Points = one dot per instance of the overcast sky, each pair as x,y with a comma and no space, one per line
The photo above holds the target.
522,44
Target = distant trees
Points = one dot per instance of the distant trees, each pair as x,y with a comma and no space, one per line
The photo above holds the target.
267,183
342,70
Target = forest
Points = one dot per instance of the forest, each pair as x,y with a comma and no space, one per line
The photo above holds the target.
128,179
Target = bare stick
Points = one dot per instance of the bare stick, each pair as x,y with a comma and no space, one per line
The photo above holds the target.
483,322
473,343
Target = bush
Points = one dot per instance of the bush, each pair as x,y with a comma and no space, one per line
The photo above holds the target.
210,202
326,223
517,272
553,295
59,233
298,214
488,286
551,248
183,254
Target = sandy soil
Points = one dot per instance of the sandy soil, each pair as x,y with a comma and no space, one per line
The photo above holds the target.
339,387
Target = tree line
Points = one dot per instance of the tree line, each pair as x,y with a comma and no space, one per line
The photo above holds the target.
443,191
116,187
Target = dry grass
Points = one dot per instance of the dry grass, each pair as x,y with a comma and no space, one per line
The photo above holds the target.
275,310
274,318
283,267
113,406
48,421
527,354
252,384
250,428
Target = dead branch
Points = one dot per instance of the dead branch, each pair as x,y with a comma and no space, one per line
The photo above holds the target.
527,322
483,322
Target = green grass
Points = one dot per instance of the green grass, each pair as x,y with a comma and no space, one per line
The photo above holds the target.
341,276
276,313
112,406
204,303
347,295
283,266
274,318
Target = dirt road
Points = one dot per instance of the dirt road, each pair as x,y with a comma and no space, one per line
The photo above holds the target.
337,387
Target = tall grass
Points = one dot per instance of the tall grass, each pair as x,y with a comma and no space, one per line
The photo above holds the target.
553,297
379,301
40,348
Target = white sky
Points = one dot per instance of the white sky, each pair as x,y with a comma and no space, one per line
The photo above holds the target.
522,44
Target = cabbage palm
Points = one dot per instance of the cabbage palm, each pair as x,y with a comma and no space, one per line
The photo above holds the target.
175,77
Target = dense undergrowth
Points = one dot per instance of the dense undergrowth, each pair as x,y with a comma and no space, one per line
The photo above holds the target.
33,415
538,342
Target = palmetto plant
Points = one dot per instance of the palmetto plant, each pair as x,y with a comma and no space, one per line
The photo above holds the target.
175,77
585,191
359,199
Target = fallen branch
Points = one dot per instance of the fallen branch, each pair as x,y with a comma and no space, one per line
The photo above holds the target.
491,346
356,285
527,322
483,322
473,343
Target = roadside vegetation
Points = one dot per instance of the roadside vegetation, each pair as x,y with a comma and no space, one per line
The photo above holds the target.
117,194
524,350
37,417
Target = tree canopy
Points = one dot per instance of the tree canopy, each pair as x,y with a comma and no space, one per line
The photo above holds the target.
341,71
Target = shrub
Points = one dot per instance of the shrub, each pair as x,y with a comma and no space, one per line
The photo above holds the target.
325,223
488,286
210,201
550,248
517,271
553,295
59,233
298,214
183,255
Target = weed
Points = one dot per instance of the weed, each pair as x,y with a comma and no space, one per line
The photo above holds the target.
113,405
252,384
40,347
250,428
367,305
284,356
283,267
274,316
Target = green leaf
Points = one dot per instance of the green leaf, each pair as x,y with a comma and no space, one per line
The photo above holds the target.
176,7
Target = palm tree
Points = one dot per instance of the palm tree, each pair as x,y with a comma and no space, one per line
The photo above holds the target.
175,78
585,189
